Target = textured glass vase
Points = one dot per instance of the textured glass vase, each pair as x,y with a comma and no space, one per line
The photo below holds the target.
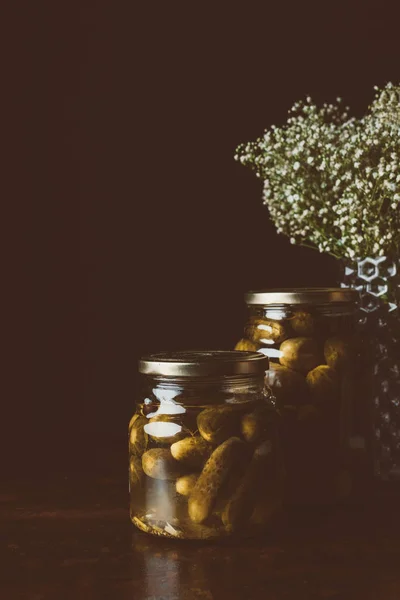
378,281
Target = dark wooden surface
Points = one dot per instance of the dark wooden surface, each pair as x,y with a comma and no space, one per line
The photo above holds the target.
72,539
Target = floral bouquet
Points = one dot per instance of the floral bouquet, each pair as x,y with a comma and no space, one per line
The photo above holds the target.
332,182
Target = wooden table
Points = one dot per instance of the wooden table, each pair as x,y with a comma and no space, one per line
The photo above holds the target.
72,539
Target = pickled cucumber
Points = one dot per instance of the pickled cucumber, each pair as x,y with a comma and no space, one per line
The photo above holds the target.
288,386
323,384
301,354
135,470
212,478
138,439
247,345
231,484
186,483
164,429
303,323
218,424
267,331
195,531
163,418
254,425
339,352
239,508
158,463
192,451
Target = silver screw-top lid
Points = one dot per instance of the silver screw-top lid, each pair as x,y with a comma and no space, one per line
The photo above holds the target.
316,296
204,363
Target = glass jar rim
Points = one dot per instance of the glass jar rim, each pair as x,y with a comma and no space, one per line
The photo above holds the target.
204,363
313,296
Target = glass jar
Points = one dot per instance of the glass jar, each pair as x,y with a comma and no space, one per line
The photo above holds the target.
204,457
318,376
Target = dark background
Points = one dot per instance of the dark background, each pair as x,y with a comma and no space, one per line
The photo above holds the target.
135,229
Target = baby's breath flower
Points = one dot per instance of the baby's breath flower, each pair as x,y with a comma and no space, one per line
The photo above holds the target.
331,181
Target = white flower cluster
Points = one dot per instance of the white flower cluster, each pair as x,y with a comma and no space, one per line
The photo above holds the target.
333,182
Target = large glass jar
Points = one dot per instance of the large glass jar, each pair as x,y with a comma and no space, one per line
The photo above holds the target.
318,376
204,458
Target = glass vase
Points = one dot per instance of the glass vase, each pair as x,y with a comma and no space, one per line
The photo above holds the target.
378,281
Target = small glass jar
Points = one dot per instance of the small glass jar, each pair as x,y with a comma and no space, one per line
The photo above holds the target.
204,458
319,379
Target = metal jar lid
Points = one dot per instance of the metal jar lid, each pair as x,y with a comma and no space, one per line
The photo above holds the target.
204,363
302,296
